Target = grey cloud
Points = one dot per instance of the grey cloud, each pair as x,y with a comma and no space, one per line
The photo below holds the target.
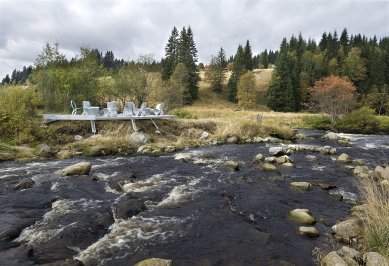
131,28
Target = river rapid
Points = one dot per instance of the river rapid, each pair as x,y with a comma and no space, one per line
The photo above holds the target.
194,211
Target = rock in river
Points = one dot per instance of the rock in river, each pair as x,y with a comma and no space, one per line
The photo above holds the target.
268,167
346,230
344,158
309,231
275,151
154,262
301,185
82,168
332,259
25,183
302,216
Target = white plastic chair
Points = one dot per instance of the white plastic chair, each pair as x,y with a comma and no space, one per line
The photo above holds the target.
86,107
112,108
74,107
129,108
159,109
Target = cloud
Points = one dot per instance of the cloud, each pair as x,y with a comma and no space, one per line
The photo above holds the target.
131,28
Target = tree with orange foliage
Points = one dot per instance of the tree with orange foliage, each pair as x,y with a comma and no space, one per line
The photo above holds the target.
333,95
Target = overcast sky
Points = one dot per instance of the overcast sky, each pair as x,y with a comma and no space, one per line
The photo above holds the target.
133,27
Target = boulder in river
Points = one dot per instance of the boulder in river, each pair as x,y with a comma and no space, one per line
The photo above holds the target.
308,231
288,164
361,171
284,159
155,262
82,168
332,259
301,185
310,157
258,157
276,151
302,216
183,156
232,165
268,167
347,230
374,259
344,158
270,159
25,183
331,136
327,186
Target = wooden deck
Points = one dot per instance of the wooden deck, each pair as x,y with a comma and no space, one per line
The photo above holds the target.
93,118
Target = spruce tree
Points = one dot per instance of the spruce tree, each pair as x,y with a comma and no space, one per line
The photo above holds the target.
238,69
171,55
248,56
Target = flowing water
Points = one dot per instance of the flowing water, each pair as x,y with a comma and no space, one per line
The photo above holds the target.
195,212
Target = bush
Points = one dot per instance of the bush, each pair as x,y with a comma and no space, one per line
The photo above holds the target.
362,120
182,113
18,122
318,122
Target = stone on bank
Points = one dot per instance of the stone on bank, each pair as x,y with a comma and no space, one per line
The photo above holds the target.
82,168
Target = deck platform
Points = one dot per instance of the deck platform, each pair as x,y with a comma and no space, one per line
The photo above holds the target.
93,118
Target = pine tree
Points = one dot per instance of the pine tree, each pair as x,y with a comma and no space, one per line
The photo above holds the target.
215,74
248,56
264,59
171,55
237,70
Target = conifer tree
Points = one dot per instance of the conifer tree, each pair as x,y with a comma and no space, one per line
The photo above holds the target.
248,56
238,69
171,55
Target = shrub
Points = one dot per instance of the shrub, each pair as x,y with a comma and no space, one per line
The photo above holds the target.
318,122
362,120
18,122
182,113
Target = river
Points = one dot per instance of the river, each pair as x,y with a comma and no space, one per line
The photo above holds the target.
194,212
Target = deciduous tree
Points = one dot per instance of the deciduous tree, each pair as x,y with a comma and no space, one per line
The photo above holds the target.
247,96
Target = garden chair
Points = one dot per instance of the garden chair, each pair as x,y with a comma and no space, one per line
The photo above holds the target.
143,110
86,107
112,108
159,109
129,108
74,107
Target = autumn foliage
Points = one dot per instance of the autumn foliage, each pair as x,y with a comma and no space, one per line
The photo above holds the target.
333,95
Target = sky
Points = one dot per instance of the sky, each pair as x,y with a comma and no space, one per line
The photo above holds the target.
136,27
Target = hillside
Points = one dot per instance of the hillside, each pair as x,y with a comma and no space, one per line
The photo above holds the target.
211,99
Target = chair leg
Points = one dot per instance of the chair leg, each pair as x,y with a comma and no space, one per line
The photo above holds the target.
134,125
93,126
152,121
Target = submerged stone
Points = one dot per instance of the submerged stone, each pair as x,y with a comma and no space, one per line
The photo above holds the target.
344,158
326,186
232,164
25,183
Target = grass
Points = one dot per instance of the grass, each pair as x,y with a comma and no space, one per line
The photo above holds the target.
375,216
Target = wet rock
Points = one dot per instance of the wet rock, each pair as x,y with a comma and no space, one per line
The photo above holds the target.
128,205
361,171
310,157
326,186
350,262
276,151
302,216
139,138
332,259
382,172
344,158
374,259
155,262
268,167
299,136
183,156
258,157
82,168
346,251
204,135
117,182
232,140
270,159
284,159
344,142
232,165
277,178
337,196
308,231
331,136
346,230
301,185
358,162
150,149
287,165
64,154
25,183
